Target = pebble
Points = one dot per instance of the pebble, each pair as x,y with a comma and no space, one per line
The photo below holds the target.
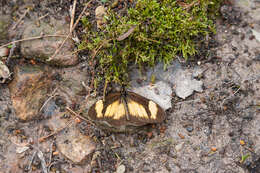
189,129
4,72
120,169
179,146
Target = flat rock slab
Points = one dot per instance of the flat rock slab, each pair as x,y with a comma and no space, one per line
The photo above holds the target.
44,48
29,90
75,146
161,90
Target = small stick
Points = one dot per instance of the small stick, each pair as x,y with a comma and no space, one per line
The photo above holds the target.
18,22
57,131
73,15
31,38
52,95
236,91
40,18
77,115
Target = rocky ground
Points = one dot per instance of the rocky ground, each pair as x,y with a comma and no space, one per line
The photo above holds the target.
213,102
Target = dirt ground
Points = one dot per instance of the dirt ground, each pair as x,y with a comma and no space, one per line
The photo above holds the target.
214,131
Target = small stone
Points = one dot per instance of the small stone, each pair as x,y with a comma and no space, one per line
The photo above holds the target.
120,169
213,149
114,4
189,129
179,146
185,84
4,72
256,34
4,51
22,149
100,12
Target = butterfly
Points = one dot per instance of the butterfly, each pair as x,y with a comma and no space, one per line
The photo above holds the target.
121,109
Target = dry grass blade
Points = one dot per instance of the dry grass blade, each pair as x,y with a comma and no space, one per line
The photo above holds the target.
31,38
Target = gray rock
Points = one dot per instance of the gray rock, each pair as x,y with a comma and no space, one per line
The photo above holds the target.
256,34
44,48
186,85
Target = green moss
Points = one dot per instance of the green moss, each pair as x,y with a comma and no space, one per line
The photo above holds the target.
162,30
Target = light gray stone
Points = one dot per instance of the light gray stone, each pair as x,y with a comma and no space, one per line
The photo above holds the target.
186,85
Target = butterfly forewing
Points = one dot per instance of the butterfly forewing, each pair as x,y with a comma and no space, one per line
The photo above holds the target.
112,110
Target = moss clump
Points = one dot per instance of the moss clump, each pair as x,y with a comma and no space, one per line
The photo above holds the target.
154,30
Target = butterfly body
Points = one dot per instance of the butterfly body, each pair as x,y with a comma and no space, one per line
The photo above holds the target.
121,110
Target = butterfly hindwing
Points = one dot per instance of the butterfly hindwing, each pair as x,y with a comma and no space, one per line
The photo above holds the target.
143,110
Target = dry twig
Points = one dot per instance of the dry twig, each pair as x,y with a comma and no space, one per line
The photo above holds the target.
31,38
52,95
72,15
77,115
40,18
18,22
50,158
57,131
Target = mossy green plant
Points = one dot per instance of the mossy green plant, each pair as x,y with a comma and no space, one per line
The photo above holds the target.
153,31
